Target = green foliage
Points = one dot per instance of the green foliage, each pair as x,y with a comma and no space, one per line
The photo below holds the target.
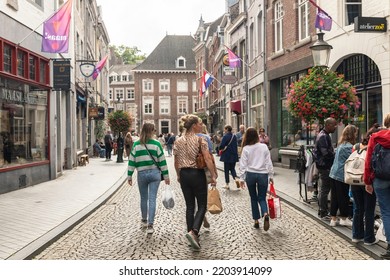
321,94
129,55
119,121
99,129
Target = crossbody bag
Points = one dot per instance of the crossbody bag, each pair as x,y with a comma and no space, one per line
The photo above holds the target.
162,177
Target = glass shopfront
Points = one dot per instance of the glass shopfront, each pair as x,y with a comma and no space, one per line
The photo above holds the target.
23,123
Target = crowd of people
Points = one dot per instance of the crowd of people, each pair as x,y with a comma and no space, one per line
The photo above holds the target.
331,167
147,156
251,148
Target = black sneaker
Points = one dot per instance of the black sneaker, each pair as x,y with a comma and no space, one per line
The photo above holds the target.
386,255
257,224
266,222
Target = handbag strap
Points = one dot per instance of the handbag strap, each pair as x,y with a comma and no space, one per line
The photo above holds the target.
200,144
272,189
224,149
152,157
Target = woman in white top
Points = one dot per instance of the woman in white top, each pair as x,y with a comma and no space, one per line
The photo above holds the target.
256,170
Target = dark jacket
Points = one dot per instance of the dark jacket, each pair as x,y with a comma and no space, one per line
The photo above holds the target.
231,153
324,152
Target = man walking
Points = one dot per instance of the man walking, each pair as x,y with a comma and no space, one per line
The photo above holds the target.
108,145
324,156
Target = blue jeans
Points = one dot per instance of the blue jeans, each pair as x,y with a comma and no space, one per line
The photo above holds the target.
363,214
169,148
382,190
257,186
148,183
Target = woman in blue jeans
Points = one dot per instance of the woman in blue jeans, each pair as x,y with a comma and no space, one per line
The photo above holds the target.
256,170
145,155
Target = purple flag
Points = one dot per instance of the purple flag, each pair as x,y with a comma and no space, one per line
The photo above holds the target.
56,30
323,21
99,67
234,60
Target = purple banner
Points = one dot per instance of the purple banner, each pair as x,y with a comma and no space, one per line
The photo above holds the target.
56,30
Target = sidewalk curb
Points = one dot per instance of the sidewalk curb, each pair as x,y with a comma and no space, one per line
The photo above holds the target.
41,243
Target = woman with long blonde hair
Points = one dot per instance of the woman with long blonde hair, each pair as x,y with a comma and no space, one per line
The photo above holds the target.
191,178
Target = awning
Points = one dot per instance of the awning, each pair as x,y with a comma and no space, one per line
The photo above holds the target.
81,98
235,106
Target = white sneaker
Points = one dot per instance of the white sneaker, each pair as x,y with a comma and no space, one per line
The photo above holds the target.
150,229
226,186
333,223
345,222
357,240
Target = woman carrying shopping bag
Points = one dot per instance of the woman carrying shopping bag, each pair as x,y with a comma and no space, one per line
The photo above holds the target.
149,174
191,176
256,170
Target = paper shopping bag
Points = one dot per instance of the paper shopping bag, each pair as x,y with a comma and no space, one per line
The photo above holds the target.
214,203
274,207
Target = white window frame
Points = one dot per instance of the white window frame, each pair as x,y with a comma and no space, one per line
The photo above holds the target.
130,94
182,85
165,105
346,4
120,92
278,16
147,105
182,105
181,59
303,19
147,85
195,100
131,108
164,85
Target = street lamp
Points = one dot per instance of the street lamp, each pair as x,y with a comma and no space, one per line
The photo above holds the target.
321,51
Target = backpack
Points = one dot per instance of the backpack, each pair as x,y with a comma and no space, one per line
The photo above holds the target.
354,167
380,162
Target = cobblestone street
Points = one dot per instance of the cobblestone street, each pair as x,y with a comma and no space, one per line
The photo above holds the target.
114,232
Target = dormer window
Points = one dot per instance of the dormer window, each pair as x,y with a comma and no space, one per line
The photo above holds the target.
180,62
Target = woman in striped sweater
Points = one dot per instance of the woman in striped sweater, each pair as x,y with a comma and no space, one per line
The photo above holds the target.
148,172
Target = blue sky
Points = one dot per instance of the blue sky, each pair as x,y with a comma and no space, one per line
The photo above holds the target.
144,23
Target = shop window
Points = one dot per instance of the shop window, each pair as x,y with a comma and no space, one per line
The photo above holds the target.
32,66
7,56
23,125
21,63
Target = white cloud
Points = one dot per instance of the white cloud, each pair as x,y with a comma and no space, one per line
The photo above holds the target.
144,23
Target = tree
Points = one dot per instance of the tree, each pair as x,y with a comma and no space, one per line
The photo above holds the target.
119,121
129,55
321,94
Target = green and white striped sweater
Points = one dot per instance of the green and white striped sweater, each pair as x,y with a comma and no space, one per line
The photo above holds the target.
140,159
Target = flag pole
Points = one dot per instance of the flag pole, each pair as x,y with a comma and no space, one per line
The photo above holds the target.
28,35
318,7
212,76
42,23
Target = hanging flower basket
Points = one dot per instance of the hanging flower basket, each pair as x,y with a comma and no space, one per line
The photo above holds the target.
119,121
322,94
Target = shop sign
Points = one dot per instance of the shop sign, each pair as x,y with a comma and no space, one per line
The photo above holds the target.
229,79
93,112
61,74
370,24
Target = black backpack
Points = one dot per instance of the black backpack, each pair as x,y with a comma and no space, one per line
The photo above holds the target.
380,162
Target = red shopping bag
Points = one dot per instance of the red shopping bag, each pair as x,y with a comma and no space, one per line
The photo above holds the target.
274,207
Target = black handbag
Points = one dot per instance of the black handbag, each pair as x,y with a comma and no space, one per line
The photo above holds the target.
162,176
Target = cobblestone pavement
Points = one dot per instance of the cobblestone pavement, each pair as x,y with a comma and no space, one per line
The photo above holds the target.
114,232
